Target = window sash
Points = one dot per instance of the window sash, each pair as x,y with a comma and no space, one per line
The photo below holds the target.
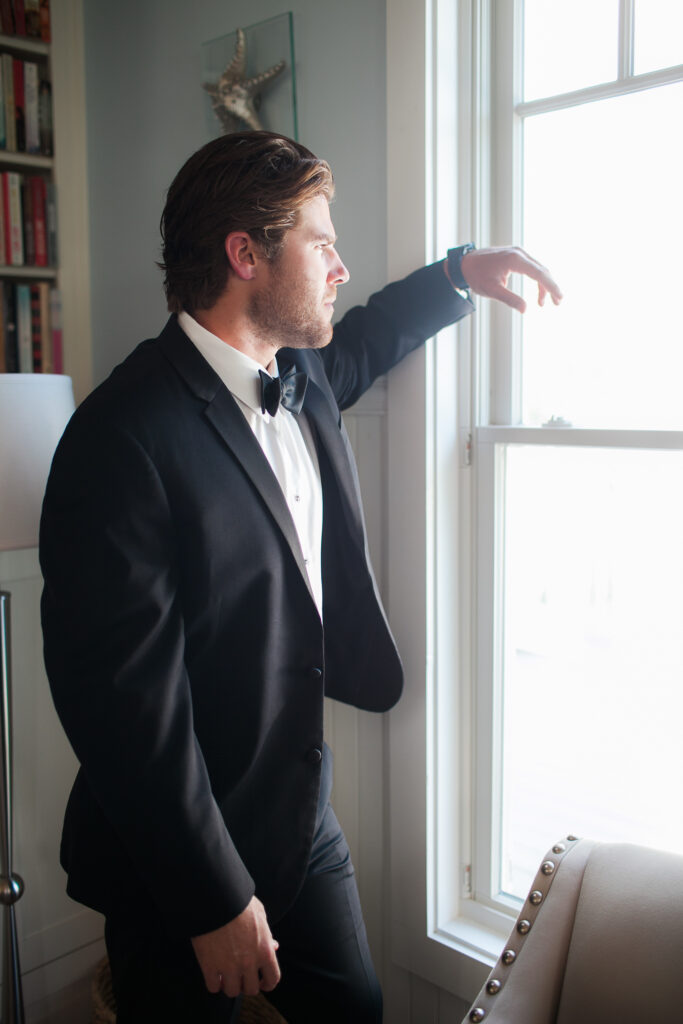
497,412
500,382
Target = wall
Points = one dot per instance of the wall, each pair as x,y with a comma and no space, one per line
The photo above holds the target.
145,115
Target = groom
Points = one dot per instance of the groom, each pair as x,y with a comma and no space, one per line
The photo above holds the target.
207,584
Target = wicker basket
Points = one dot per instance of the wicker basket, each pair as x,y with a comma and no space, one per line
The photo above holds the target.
257,1010
103,1005
254,1009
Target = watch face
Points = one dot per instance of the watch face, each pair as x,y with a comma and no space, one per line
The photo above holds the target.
455,274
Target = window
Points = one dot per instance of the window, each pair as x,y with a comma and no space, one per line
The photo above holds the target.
552,650
580,450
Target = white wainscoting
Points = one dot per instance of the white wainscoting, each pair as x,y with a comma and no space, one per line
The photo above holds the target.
59,941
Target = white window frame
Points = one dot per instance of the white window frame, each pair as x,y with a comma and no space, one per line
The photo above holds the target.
424,488
443,618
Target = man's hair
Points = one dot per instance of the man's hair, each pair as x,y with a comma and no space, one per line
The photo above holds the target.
244,181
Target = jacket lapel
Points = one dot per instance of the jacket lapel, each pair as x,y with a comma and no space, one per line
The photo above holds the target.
335,444
226,418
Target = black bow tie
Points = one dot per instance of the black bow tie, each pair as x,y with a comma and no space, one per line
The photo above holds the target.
287,390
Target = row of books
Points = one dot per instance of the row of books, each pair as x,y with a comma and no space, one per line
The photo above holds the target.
25,18
30,328
25,107
28,220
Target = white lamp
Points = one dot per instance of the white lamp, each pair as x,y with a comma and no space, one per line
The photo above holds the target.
34,409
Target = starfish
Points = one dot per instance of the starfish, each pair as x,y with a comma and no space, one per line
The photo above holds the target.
235,99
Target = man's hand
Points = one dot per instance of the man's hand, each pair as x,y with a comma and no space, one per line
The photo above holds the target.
240,956
487,271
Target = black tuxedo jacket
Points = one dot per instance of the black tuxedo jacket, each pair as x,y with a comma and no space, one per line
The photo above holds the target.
185,653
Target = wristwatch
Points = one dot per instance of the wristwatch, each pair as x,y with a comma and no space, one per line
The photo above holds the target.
454,268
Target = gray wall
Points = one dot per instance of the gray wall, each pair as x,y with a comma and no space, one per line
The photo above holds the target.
145,115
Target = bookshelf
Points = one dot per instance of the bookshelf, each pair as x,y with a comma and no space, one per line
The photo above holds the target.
31,338
66,273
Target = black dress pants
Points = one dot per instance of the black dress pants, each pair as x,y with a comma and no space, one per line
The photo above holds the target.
327,971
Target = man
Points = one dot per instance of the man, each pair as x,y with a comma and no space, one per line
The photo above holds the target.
207,582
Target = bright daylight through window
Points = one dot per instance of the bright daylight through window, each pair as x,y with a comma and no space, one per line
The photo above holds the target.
582,484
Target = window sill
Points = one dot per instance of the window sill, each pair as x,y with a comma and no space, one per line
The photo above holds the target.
456,956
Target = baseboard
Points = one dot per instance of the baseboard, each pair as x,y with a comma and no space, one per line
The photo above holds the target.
59,992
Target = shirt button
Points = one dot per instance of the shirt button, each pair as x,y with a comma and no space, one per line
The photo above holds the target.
314,756
315,674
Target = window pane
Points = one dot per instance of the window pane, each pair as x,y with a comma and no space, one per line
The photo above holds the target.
569,46
658,34
593,651
603,207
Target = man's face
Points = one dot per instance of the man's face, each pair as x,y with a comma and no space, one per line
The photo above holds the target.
293,307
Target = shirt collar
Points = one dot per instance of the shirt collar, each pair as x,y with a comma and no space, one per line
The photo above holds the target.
239,372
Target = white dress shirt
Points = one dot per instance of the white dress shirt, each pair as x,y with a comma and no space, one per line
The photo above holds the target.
285,439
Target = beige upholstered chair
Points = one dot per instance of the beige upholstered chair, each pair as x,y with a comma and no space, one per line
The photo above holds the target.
599,940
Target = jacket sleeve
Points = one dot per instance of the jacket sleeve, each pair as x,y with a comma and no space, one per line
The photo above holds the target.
370,339
114,652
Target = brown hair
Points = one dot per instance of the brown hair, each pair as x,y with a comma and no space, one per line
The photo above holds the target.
244,181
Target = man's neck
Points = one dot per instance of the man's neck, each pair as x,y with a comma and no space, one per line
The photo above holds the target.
236,330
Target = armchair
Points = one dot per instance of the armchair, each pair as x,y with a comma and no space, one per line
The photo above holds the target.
599,939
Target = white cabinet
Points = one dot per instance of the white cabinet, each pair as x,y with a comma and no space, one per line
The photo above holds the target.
59,941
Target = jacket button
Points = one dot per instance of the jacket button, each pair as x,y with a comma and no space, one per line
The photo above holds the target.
314,756
315,674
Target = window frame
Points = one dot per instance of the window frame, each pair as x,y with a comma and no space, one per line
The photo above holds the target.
425,486
500,425
446,922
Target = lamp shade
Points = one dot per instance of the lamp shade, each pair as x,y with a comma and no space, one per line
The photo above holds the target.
34,410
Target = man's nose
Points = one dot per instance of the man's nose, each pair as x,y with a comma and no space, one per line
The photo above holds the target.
338,271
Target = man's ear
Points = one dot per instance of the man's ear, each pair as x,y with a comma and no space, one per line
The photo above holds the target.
242,253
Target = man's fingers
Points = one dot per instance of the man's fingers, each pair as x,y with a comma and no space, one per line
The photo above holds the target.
270,973
232,984
213,980
487,271
240,956
251,982
526,264
504,294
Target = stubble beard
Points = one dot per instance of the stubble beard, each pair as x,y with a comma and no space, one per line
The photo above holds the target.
287,319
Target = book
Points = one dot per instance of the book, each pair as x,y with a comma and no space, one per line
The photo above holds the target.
31,119
19,116
32,16
29,233
36,339
3,252
3,351
38,191
9,318
56,331
14,229
24,333
46,356
51,221
3,133
6,17
19,17
7,62
45,27
45,117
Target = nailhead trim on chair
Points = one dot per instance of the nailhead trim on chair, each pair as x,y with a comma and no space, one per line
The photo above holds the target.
538,893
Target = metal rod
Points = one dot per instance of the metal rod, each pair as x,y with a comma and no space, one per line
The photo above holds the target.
11,885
